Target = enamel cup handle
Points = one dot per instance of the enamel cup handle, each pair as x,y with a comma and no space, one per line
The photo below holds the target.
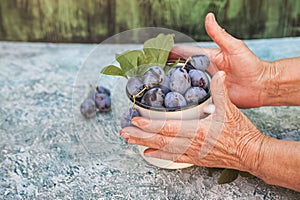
209,109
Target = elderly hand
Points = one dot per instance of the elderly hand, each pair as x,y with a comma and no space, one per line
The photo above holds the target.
247,75
225,139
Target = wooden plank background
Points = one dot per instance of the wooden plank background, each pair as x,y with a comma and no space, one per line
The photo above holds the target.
89,21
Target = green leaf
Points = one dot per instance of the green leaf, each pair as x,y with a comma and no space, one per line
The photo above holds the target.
228,175
246,174
136,62
129,60
142,69
141,59
211,171
112,70
142,63
170,66
175,63
159,48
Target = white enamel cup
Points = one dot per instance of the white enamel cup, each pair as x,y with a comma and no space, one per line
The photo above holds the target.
202,110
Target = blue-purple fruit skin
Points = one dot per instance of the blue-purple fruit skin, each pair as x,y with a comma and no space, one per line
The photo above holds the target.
127,117
101,89
154,98
165,86
179,81
174,100
194,95
170,72
200,62
134,86
88,108
154,77
103,102
198,78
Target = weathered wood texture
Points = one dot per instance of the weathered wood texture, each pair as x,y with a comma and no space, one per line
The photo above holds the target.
95,20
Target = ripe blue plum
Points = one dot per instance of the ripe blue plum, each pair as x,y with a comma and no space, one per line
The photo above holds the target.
200,62
170,72
101,89
174,100
154,98
198,78
88,108
179,81
134,86
103,102
154,77
165,86
194,95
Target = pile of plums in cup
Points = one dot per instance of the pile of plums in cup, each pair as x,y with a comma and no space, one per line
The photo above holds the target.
182,86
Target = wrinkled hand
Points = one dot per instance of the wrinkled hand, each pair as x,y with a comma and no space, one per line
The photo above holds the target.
225,139
246,73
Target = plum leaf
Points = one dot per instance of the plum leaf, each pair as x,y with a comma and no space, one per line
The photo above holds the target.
113,70
246,174
159,48
136,62
170,66
128,60
228,175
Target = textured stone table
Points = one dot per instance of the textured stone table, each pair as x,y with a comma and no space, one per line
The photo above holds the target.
48,151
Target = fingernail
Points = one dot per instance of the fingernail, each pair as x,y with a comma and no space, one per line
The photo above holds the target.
124,134
210,17
148,152
129,141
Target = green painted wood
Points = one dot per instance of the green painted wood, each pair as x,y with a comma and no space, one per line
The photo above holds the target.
96,20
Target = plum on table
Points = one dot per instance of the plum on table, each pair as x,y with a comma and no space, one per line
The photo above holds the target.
103,102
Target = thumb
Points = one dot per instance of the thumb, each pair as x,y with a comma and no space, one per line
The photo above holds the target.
219,92
224,40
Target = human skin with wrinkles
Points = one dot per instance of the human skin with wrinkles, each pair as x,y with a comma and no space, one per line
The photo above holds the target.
227,138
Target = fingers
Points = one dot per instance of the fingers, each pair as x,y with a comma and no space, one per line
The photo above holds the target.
225,41
181,158
220,92
221,101
157,141
185,158
171,128
218,88
184,52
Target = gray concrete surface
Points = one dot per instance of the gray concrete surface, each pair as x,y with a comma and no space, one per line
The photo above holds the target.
49,151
